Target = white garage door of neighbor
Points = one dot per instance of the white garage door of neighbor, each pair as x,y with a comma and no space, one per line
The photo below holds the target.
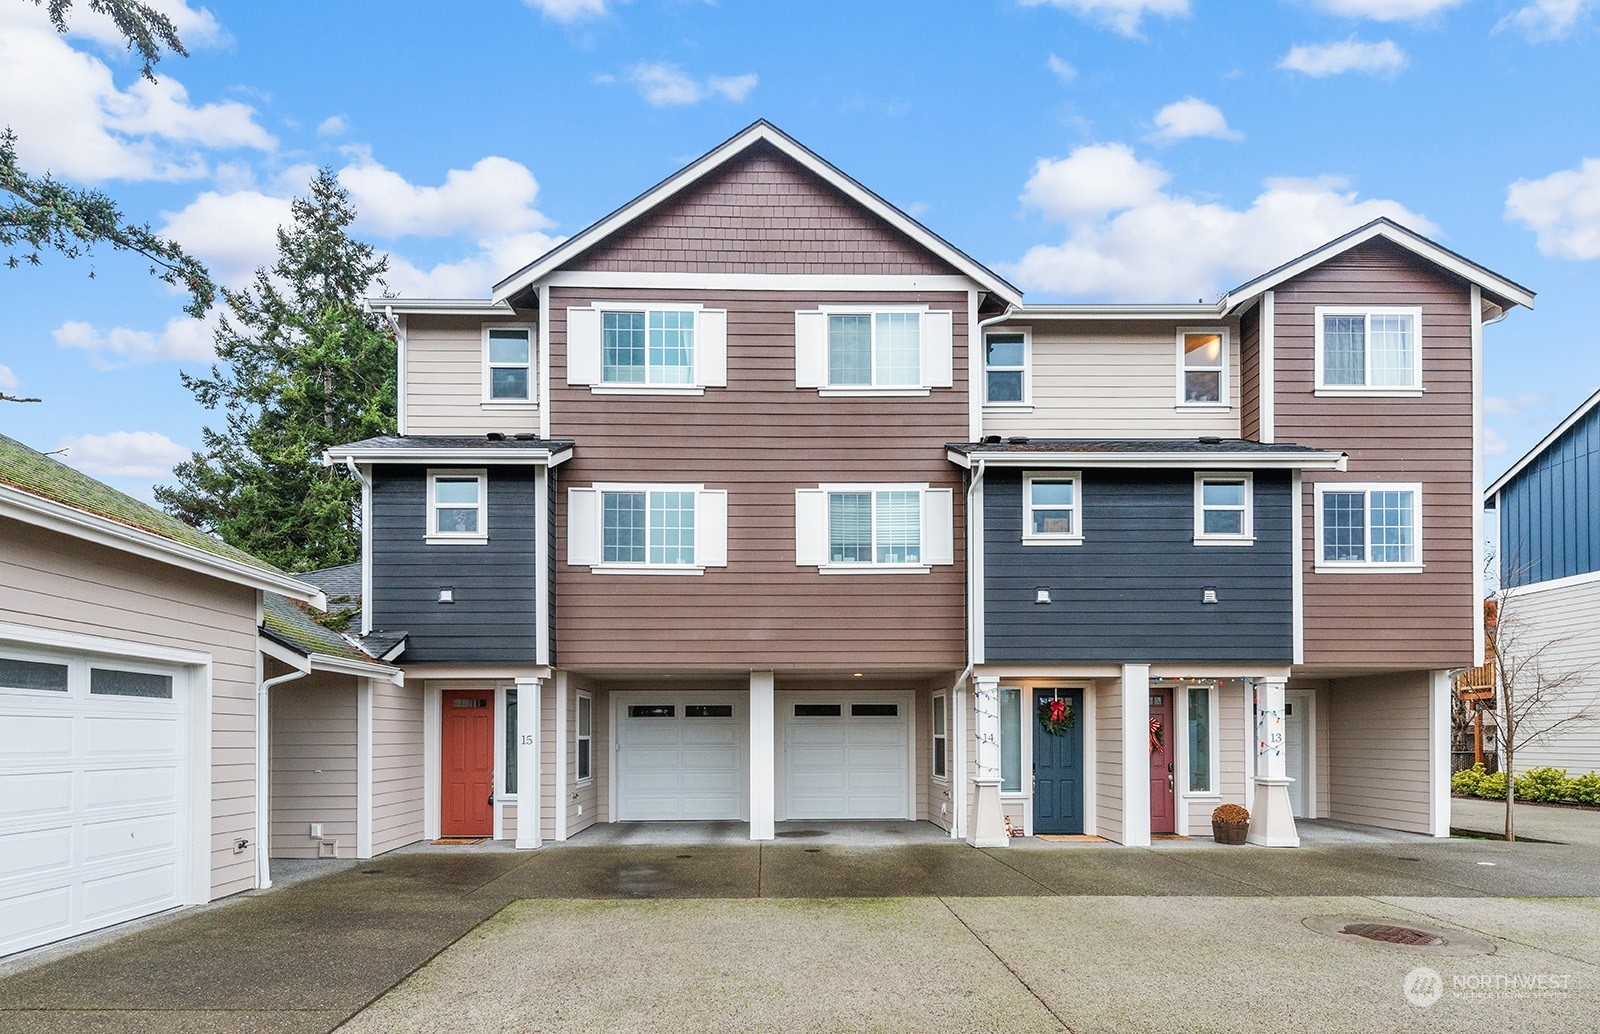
92,794
680,758
846,759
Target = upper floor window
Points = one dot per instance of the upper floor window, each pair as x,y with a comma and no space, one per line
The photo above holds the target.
647,528
1005,368
1369,526
1051,508
1223,507
1203,367
457,506
655,346
843,528
646,348
1368,351
895,350
508,364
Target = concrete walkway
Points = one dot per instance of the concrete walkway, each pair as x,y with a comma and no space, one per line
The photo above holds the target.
1550,822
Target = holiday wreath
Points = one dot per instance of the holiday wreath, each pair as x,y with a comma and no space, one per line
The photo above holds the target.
1056,716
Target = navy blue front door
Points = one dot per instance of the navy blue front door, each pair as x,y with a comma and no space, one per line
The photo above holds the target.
1058,769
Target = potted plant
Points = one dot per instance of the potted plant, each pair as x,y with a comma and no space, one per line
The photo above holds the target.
1229,824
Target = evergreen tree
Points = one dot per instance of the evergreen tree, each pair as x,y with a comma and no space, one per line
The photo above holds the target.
302,366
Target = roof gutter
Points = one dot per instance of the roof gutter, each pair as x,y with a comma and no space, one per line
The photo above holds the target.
1156,460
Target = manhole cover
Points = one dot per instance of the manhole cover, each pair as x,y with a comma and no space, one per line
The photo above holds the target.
1395,935
794,834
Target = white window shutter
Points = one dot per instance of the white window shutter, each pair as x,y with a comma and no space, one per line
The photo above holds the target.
711,344
938,346
810,527
583,527
583,346
938,526
711,528
810,350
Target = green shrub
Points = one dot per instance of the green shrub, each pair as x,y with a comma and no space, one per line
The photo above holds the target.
1543,785
1493,786
1466,781
1586,789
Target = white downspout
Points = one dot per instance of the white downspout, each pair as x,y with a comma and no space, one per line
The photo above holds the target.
958,818
263,785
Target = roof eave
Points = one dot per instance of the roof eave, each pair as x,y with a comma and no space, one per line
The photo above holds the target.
360,669
1117,312
440,306
1151,460
498,457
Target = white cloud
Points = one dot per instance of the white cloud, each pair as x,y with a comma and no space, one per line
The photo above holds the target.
1388,10
493,198
333,125
232,233
1122,16
1320,60
1192,117
181,339
146,455
666,85
1128,239
7,378
1545,20
470,277
1563,209
1061,69
568,10
73,119
1495,405
1494,443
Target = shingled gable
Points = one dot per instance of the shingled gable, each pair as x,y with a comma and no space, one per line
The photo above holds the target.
763,203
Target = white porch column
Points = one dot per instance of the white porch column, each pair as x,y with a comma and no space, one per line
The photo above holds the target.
364,702
1271,817
1136,755
1439,752
763,758
987,825
528,777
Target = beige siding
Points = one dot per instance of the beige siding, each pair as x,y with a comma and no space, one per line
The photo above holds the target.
1113,380
935,800
508,823
547,763
55,582
397,804
1561,627
1107,734
583,806
1324,760
1378,746
1232,761
312,774
444,379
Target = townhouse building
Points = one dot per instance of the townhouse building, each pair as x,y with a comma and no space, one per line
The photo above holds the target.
758,501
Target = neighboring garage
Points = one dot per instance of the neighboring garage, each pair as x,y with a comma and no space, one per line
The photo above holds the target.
845,756
680,756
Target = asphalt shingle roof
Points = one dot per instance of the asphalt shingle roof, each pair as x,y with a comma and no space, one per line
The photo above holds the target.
342,582
294,628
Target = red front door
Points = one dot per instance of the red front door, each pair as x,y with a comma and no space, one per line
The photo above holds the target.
1163,810
467,754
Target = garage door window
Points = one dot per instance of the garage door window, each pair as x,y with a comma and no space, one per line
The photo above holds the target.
20,674
874,710
818,710
652,711
708,711
116,682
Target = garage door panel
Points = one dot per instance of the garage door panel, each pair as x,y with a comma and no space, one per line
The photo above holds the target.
35,917
113,898
699,732
36,737
34,853
848,766
815,732
32,795
123,839
861,734
121,735
687,766
124,787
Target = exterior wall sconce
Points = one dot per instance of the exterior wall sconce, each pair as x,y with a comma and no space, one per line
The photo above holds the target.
1042,594
1208,594
447,595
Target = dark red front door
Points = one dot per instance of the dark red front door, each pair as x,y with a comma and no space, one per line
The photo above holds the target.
467,754
1163,810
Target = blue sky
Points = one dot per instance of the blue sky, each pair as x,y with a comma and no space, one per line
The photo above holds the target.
1144,150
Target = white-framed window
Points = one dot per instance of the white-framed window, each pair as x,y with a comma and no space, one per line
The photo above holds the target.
508,724
941,737
1203,367
1006,380
584,755
876,349
647,528
1375,527
869,528
1224,509
458,510
508,364
1201,758
1011,728
1368,350
654,348
1052,508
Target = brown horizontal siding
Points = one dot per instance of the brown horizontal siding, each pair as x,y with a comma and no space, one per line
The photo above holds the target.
760,438
1422,620
1250,375
761,213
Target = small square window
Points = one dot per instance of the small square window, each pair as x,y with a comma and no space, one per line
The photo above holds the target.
1051,507
1005,369
1223,505
1203,367
456,506
509,355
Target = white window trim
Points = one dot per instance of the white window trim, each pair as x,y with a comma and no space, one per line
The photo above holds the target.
1182,712
434,536
882,390
1201,536
646,387
578,737
1224,380
937,735
614,567
1026,404
1412,390
1322,566
532,366
1027,708
872,566
1028,536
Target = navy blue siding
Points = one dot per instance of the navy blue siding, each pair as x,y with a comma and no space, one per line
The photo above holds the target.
494,617
1131,593
1550,512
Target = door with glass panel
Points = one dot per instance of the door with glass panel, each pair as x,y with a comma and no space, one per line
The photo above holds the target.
1058,761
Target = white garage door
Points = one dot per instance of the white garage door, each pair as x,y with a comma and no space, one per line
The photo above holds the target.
92,794
846,759
680,758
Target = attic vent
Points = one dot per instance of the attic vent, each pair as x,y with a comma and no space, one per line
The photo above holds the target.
1020,441
495,436
526,436
991,439
1209,440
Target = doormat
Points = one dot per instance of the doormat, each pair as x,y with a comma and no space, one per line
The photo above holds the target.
1167,836
460,841
1070,838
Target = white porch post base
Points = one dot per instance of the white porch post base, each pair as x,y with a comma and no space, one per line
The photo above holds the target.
988,822
1271,818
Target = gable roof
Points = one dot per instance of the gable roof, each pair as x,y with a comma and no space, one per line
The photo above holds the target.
1508,291
760,131
1538,450
43,491
287,625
